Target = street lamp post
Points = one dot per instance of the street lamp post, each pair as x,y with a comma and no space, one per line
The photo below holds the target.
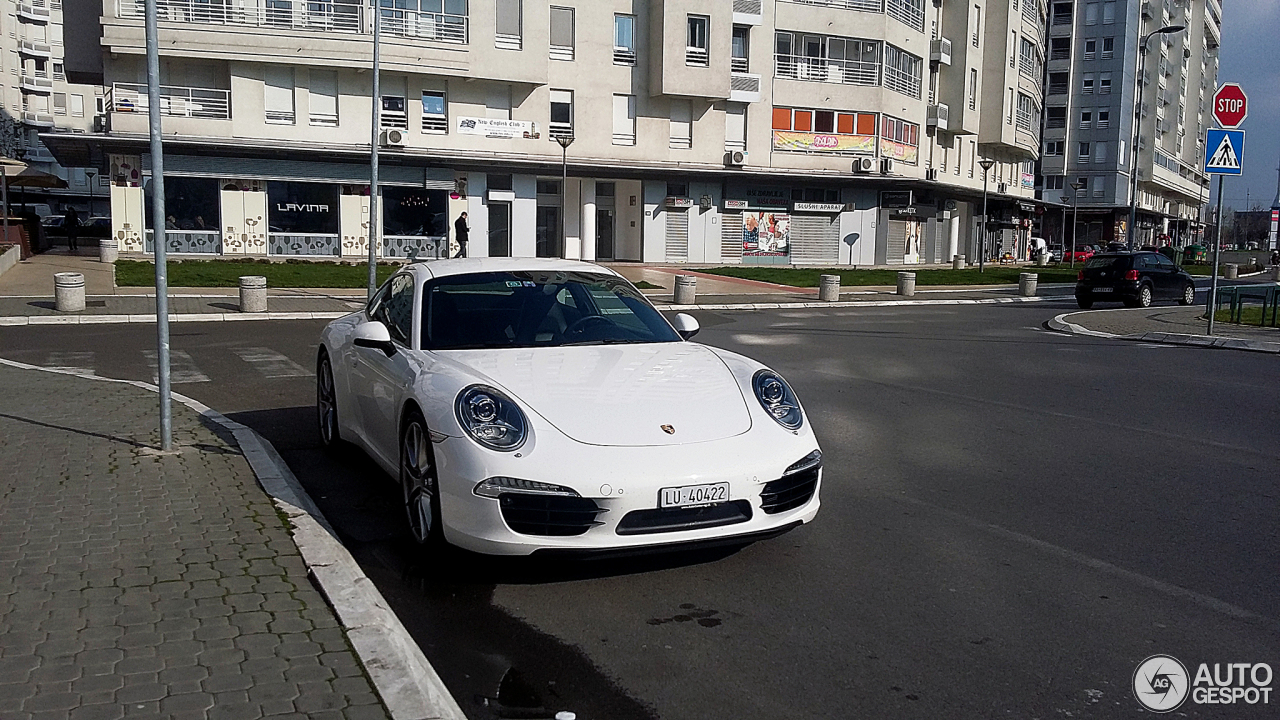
565,141
982,236
1075,217
1137,126
374,140
90,174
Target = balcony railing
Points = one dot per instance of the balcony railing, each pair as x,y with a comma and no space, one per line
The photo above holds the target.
908,12
37,49
37,118
902,82
206,103
313,15
861,5
36,10
37,81
845,72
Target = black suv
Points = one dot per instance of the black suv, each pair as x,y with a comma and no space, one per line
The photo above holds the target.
1134,278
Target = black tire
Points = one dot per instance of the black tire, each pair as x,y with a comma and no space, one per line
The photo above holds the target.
1188,296
326,403
1084,303
1143,300
418,482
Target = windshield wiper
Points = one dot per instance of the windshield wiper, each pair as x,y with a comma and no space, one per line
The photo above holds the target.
606,341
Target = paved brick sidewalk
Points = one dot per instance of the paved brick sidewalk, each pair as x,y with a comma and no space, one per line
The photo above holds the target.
138,585
1183,320
138,305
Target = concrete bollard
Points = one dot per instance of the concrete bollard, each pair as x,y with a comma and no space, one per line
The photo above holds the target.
957,262
1231,272
686,289
68,291
1027,283
907,284
253,294
108,250
829,288
1042,259
1275,273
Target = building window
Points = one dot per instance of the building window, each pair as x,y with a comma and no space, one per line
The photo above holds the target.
1059,83
59,73
435,118
1060,48
735,126
841,123
1055,117
1100,152
561,33
1091,13
1108,13
1108,48
1104,84
1053,182
1084,186
902,71
395,108
322,98
740,49
1029,63
695,51
907,12
562,112
1083,155
977,24
624,39
973,88
677,190
1086,86
851,61
1062,13
510,29
59,103
1086,119
1104,119
278,95
1090,49
681,125
1028,114
899,138
1009,117
624,119
77,106
1053,147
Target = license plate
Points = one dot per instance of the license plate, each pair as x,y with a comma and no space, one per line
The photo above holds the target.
693,495
1102,290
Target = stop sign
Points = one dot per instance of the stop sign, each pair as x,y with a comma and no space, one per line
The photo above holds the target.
1230,106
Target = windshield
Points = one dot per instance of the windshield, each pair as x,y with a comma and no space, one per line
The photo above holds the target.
537,309
1100,262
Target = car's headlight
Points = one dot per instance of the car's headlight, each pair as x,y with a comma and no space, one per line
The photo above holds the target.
491,418
777,399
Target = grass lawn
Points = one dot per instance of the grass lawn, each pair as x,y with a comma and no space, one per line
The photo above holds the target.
226,273
642,285
1248,316
809,277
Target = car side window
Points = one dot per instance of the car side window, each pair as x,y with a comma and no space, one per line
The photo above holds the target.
1165,263
397,310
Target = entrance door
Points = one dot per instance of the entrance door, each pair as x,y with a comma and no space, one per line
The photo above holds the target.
548,232
499,229
604,233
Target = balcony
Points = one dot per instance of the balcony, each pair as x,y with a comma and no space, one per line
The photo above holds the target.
205,103
874,6
35,10
35,49
37,81
37,119
845,72
907,12
902,82
744,87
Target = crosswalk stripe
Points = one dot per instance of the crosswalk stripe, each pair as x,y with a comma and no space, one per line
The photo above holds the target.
182,369
76,362
270,363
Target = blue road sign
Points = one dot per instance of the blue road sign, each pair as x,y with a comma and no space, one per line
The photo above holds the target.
1224,152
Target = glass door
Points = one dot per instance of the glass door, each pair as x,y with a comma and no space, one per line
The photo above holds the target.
548,232
604,233
499,229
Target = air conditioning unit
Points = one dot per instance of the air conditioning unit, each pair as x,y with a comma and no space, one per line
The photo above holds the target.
736,158
931,174
938,116
886,166
100,123
1002,188
1147,11
392,137
863,164
940,51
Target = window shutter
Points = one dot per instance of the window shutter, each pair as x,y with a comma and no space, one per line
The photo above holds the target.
509,17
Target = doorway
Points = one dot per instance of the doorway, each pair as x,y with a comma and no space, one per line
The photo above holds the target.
499,229
548,232
604,233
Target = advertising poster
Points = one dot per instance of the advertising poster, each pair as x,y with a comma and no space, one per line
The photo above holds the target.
498,128
898,151
765,233
822,142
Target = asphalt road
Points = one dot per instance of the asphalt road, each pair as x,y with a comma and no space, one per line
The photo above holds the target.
1012,520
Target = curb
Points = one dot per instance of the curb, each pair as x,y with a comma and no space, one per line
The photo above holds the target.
1061,324
854,304
173,318
408,685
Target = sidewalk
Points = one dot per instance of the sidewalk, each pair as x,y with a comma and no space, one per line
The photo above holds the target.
1174,325
136,584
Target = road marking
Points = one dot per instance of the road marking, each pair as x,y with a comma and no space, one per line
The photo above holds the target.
271,363
80,363
182,369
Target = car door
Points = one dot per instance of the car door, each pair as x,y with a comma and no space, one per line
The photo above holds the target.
1160,271
381,381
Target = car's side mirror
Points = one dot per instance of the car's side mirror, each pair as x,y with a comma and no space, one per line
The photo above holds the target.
373,334
685,324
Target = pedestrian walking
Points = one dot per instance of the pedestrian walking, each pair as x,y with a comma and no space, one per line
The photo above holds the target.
461,232
71,220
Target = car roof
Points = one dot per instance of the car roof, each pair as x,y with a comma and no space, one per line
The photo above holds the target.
465,266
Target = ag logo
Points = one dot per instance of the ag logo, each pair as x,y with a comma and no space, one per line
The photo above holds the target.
1160,683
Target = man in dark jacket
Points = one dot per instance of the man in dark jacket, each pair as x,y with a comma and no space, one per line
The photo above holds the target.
461,232
71,221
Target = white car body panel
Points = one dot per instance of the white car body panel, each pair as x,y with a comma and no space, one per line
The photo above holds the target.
594,417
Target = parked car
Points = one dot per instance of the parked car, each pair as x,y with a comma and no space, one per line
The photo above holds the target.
1080,254
1136,279
54,224
98,226
530,405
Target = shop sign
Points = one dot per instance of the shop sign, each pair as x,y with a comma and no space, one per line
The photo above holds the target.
897,198
1026,207
735,204
818,207
901,152
761,197
498,128
823,142
677,202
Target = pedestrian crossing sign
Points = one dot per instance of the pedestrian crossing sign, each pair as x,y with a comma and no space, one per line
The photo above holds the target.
1224,152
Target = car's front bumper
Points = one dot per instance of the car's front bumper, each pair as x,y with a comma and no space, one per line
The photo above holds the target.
621,481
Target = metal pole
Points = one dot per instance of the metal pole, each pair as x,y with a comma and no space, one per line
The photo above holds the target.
158,226
1137,130
1217,248
982,236
1075,224
4,201
564,195
375,135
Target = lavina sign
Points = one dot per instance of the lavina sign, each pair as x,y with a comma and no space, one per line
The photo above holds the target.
299,207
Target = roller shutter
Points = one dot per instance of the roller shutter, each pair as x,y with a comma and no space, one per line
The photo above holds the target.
731,237
815,239
897,242
677,235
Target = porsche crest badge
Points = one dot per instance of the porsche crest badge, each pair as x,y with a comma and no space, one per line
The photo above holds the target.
668,429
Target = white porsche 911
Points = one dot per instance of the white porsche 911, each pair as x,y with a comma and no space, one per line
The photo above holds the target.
545,406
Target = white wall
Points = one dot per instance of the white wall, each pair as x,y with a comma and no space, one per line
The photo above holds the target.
524,216
655,223
858,227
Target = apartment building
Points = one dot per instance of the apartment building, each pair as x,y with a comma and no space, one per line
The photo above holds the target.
37,97
703,131
1092,78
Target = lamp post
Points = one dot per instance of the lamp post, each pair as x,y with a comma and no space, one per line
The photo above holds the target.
1139,84
986,164
375,138
1075,217
565,141
90,174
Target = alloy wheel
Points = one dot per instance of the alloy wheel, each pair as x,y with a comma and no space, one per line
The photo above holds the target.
1189,295
417,478
1144,296
326,403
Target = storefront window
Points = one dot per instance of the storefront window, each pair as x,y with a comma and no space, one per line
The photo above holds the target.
300,208
415,212
191,204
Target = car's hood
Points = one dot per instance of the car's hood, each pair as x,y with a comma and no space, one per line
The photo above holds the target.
621,394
